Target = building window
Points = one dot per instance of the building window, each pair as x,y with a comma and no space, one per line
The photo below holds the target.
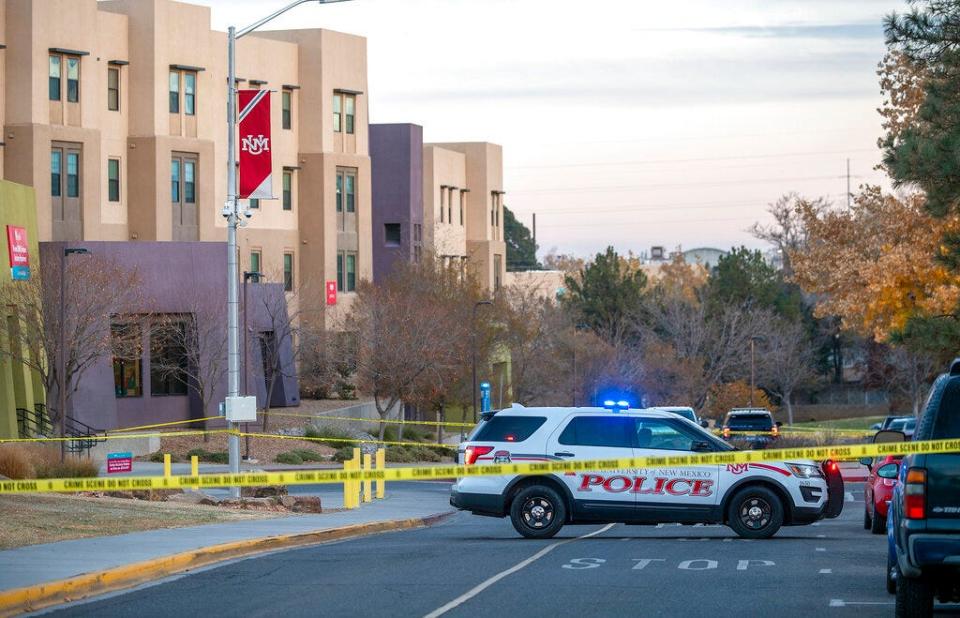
497,265
168,359
189,182
287,191
463,200
56,179
54,81
255,261
175,180
349,104
127,365
337,103
113,180
350,181
347,271
450,205
254,203
391,234
288,272
285,102
443,207
339,191
344,112
73,79
113,89
351,272
73,174
174,92
189,93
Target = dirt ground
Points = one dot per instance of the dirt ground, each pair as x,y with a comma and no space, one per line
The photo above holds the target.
44,518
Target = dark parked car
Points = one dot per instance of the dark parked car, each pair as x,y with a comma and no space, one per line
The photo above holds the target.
752,425
924,515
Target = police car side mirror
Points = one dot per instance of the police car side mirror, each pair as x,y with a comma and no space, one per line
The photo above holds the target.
779,423
701,447
705,424
867,461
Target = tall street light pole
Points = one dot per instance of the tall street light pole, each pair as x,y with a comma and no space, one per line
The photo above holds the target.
62,356
753,370
231,210
473,324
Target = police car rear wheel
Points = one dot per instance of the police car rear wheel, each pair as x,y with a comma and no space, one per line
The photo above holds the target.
538,512
755,513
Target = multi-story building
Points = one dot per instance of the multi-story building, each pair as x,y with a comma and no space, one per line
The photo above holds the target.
454,209
115,112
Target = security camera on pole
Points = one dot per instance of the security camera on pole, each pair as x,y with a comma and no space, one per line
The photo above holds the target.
255,181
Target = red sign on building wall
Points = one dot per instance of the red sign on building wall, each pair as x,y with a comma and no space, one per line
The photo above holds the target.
256,163
18,251
331,292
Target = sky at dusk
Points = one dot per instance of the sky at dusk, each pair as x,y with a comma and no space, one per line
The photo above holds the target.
629,123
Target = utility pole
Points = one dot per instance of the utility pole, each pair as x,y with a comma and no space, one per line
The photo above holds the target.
231,211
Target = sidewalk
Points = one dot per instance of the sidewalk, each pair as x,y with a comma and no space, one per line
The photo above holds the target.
41,564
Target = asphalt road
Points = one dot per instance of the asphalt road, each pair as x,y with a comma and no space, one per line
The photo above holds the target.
474,566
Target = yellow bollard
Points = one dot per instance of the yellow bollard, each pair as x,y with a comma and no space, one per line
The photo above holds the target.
166,465
381,465
194,465
347,466
357,462
367,483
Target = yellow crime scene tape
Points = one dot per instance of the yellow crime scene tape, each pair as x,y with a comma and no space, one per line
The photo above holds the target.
316,477
170,424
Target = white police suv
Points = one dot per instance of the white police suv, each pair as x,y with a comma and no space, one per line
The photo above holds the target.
754,499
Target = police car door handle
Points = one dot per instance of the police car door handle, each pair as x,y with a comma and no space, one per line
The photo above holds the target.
564,454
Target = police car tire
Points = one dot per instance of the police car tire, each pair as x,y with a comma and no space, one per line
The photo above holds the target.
767,522
538,512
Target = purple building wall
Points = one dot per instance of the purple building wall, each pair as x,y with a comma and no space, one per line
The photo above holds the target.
176,278
396,156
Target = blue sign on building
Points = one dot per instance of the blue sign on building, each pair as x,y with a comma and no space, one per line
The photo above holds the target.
20,273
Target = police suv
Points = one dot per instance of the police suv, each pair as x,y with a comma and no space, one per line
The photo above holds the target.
754,499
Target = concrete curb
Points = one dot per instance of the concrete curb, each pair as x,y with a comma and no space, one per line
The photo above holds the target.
40,596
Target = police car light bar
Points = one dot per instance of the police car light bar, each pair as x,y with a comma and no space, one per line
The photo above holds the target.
616,406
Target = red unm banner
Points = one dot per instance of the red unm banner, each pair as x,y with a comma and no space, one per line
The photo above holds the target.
256,164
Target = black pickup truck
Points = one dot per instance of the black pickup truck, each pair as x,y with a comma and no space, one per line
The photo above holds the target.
924,518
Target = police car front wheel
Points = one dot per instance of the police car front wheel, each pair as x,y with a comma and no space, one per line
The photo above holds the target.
538,512
755,513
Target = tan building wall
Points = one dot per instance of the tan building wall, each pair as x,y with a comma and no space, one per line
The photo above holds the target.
486,250
146,40
445,204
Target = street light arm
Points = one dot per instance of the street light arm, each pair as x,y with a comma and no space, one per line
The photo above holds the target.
245,31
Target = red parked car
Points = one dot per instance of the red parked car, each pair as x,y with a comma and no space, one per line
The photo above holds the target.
878,491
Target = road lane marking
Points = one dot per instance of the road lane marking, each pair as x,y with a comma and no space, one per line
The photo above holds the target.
825,571
842,603
821,549
460,600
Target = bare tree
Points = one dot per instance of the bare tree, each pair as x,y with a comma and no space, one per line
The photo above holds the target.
413,325
788,233
189,349
788,356
97,289
912,373
294,333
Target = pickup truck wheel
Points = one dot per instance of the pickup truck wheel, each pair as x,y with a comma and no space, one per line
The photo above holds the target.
914,597
893,573
755,513
879,524
538,512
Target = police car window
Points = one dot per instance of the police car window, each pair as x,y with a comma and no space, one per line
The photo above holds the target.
655,433
613,431
508,428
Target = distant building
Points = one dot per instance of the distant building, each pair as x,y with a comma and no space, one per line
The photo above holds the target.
548,284
708,257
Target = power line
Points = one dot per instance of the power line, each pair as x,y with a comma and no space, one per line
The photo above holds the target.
586,210
706,183
644,222
692,160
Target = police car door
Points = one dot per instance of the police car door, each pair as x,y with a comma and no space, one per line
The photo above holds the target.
673,493
602,495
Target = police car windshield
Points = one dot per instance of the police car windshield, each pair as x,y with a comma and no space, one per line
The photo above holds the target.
500,428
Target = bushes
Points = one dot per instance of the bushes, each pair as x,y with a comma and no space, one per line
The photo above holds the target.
220,457
42,462
411,454
15,462
299,456
343,454
339,438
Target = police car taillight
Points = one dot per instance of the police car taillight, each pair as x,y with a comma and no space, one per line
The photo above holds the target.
726,432
472,453
775,431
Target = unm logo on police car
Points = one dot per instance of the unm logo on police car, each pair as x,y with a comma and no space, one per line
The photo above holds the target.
255,145
739,468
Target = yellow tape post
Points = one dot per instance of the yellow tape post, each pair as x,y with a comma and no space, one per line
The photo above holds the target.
354,475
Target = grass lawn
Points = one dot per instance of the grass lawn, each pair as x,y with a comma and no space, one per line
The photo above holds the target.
863,422
45,518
